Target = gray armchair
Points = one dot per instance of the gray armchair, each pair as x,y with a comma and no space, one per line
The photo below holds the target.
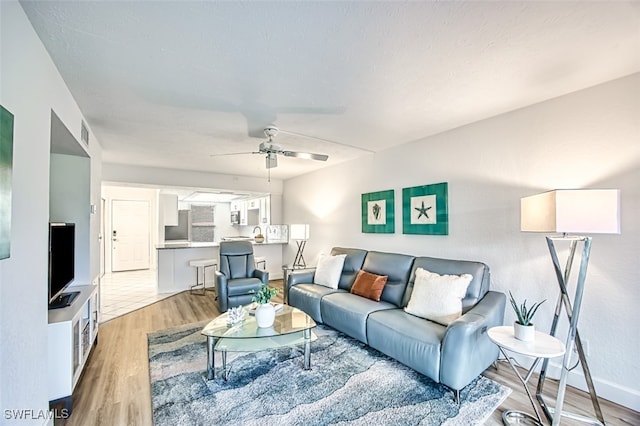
237,276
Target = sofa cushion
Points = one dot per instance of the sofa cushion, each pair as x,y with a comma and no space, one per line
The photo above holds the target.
411,340
397,267
438,297
307,298
348,313
328,270
352,264
369,285
475,291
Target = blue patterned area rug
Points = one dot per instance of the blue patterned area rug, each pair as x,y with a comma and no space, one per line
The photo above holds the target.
349,383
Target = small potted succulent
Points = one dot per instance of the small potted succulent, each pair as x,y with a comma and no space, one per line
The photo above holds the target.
523,328
265,312
259,238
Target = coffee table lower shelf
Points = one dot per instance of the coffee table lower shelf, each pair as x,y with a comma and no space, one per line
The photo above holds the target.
223,345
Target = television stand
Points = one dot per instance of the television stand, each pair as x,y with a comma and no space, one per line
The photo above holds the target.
64,300
72,334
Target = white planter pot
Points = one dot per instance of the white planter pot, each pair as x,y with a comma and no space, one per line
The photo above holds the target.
265,315
526,333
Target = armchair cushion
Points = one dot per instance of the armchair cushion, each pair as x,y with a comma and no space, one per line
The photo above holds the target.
243,286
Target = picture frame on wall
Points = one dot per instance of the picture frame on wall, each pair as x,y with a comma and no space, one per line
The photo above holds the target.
425,209
6,170
378,216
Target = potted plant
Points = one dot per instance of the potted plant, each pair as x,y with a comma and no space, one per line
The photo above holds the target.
265,312
523,328
259,238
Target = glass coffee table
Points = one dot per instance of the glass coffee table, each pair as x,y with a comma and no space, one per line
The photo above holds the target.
291,327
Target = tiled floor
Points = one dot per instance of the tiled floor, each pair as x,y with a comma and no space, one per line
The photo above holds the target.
123,292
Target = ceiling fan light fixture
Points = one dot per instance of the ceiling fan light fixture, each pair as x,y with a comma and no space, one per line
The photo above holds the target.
271,160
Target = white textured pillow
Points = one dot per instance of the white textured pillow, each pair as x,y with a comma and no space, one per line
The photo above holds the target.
328,270
438,297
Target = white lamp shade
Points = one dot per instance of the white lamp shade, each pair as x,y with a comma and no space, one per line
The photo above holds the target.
299,232
588,211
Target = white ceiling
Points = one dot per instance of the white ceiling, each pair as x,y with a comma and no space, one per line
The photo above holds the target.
166,84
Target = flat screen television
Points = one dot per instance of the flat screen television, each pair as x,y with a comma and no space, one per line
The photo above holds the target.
62,245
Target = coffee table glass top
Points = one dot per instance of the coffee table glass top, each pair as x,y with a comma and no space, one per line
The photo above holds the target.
288,320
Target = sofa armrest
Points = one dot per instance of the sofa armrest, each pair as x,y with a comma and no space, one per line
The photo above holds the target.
300,277
466,348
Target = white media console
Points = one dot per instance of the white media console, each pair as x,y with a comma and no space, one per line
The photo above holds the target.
72,332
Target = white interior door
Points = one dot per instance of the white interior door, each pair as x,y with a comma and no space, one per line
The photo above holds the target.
130,237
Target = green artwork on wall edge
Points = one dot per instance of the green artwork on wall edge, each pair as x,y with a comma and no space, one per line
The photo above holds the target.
6,168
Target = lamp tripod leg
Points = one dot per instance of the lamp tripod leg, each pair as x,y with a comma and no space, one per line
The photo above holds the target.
299,259
573,337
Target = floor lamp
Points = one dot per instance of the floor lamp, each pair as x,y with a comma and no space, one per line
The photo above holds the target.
565,212
300,234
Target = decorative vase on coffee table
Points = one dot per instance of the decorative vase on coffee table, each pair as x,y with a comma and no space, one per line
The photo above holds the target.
265,315
526,333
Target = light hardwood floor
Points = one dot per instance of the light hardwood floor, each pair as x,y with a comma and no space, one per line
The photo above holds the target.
114,389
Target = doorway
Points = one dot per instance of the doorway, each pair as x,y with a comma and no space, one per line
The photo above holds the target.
101,237
130,235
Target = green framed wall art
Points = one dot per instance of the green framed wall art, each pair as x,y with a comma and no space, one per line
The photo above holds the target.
6,169
425,210
378,215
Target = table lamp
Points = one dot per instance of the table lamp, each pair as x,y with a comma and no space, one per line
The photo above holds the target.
569,214
300,234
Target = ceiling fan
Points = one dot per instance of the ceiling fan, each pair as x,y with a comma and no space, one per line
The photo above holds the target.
272,150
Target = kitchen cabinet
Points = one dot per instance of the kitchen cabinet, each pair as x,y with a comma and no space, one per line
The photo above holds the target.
253,203
243,214
253,211
258,211
265,210
169,208
240,206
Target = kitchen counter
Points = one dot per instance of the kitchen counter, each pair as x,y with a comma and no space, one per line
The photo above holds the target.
175,274
187,244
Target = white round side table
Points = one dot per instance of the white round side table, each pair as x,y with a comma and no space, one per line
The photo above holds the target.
543,346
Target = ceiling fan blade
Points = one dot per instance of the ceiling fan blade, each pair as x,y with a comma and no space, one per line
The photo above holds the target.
234,153
306,155
286,132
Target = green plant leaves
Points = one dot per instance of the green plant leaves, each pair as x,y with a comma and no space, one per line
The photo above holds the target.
524,314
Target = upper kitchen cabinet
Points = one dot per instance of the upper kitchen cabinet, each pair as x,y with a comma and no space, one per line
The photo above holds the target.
265,210
259,211
169,209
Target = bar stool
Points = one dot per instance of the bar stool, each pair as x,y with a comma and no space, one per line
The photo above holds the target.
259,260
201,266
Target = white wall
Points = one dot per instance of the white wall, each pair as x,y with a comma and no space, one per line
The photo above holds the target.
589,139
119,173
30,88
70,179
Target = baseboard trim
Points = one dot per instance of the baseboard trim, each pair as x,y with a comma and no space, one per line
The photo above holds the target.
605,389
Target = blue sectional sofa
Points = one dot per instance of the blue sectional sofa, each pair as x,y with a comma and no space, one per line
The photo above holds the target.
453,355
